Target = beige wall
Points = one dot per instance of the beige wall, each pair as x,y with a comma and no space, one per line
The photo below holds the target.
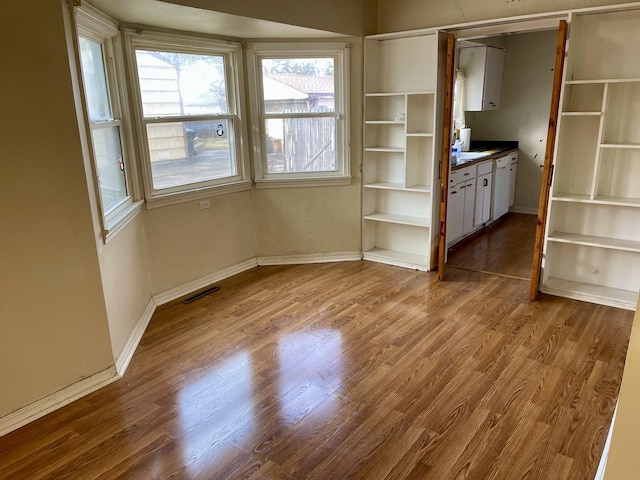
350,17
293,221
185,243
396,15
53,319
125,277
524,109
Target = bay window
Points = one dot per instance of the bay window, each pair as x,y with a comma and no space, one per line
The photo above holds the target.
300,105
189,109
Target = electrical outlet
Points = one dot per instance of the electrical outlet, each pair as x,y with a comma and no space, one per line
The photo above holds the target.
205,204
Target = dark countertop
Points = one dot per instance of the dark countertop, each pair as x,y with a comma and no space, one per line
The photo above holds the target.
493,149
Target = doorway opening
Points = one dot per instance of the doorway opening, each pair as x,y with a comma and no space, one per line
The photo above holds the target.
503,124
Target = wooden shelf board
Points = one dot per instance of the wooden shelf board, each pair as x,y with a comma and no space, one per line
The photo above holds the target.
571,197
602,80
593,241
385,149
419,134
396,94
384,122
581,114
614,297
393,257
617,201
410,220
620,145
600,200
398,186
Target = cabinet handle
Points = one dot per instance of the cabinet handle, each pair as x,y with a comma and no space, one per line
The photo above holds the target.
485,183
467,174
453,193
461,187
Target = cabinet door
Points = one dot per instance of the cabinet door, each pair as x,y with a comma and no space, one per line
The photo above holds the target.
472,62
455,213
483,200
469,206
512,183
487,194
493,78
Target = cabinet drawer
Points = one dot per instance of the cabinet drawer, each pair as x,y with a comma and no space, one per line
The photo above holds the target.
485,167
514,158
462,174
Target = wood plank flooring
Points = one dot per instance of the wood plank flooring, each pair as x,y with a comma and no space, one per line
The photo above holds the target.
350,370
504,247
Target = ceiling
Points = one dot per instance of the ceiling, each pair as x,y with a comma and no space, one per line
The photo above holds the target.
164,15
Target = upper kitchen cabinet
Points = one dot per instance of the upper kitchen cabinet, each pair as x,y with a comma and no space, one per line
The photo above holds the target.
482,67
592,245
402,144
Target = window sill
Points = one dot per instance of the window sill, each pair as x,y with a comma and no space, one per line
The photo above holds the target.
120,220
303,182
199,194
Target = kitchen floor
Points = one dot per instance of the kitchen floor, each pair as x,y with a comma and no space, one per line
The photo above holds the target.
505,247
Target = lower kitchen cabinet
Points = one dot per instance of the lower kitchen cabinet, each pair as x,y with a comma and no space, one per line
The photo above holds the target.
513,173
469,204
484,188
455,213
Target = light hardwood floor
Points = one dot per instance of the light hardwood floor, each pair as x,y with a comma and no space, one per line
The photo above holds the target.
504,247
350,370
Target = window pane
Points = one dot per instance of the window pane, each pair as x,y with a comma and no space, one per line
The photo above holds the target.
181,84
301,145
95,80
298,85
182,153
110,165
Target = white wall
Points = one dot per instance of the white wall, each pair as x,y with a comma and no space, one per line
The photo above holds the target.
397,15
53,319
524,109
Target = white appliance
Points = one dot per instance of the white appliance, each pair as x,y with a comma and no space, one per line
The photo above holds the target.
501,187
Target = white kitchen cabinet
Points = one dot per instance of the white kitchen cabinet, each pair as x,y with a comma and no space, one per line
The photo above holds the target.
455,213
484,190
513,174
461,205
482,67
469,206
592,238
500,203
402,132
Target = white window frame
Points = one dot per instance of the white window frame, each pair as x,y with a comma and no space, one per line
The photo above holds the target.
339,51
178,43
94,25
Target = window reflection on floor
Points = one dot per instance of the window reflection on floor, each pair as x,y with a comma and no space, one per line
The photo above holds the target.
213,406
311,369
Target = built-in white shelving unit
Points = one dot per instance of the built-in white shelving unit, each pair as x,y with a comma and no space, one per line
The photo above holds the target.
592,246
401,148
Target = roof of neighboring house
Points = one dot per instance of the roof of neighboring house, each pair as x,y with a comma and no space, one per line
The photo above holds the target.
309,84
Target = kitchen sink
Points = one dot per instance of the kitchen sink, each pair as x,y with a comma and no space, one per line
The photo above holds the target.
466,156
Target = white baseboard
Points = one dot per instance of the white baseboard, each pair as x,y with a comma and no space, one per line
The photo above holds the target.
123,360
194,285
310,258
527,210
56,400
